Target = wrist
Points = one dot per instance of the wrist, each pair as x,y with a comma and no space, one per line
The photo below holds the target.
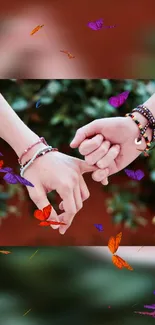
143,121
31,152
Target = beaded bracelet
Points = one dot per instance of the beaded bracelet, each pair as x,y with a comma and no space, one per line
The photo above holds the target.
148,115
142,133
22,170
41,154
26,150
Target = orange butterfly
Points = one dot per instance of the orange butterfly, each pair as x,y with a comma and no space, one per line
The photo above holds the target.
113,245
1,163
69,54
36,29
5,252
44,215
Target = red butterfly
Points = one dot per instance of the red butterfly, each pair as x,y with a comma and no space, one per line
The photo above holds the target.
44,215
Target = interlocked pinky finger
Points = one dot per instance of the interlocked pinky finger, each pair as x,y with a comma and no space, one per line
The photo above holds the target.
100,174
105,181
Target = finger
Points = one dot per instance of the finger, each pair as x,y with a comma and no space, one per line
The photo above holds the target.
84,189
98,154
40,200
89,145
84,167
86,131
77,198
85,194
105,181
69,208
68,218
109,157
61,206
100,174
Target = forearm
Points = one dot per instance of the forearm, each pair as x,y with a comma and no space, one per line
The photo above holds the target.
13,130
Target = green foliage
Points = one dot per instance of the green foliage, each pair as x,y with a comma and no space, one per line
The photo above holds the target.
67,105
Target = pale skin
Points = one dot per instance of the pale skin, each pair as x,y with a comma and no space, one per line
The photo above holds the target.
54,171
120,130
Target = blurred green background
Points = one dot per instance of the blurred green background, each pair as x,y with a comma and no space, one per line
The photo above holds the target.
67,105
73,286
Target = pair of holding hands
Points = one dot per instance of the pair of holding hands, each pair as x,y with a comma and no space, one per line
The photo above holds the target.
107,145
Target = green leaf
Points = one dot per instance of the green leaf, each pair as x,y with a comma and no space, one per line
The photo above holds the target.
19,104
118,218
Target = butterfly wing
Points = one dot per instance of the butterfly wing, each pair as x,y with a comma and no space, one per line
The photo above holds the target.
71,56
139,174
99,23
35,30
99,226
117,261
10,178
92,25
6,169
112,245
48,223
149,306
47,211
1,163
120,263
130,173
113,101
118,240
122,98
66,52
38,103
23,181
38,214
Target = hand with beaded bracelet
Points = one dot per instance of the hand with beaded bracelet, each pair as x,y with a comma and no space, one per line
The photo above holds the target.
124,131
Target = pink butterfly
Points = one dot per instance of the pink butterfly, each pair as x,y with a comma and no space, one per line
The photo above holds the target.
96,25
117,101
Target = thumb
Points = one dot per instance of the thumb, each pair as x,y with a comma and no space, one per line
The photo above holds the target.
86,131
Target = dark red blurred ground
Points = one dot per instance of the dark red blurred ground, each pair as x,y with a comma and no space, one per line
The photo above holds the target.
24,231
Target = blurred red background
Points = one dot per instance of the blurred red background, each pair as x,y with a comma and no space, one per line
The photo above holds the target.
121,52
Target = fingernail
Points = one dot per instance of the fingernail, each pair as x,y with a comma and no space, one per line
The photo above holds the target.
72,142
54,227
62,231
117,147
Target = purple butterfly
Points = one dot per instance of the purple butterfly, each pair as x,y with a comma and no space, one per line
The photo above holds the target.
1,154
150,306
118,100
137,175
99,226
96,25
11,178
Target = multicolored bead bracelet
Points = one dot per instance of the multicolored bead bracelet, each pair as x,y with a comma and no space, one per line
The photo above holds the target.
144,111
142,134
